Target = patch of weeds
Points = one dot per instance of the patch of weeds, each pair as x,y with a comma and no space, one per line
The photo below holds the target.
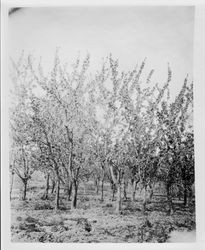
83,199
188,223
46,237
30,219
42,206
85,224
19,218
53,222
84,206
109,205
30,227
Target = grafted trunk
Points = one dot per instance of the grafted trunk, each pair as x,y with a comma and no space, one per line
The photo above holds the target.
57,197
75,194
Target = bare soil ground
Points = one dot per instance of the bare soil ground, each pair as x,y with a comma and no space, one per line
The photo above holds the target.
34,220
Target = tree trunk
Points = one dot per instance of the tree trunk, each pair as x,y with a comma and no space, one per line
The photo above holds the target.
25,182
53,186
75,194
119,199
97,186
169,200
113,191
117,183
144,203
102,190
191,195
151,192
70,187
179,195
46,187
12,182
57,197
125,189
84,189
185,194
134,185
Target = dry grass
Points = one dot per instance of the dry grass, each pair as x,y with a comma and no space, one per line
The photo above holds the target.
35,220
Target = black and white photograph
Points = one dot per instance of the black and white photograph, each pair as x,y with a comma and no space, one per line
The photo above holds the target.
101,124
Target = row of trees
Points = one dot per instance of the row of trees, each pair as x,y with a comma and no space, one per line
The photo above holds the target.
108,126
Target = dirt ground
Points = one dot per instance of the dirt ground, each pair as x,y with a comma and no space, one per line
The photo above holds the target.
34,220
